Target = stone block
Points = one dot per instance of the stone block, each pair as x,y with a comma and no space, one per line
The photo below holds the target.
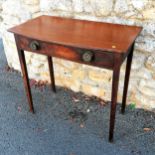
99,76
68,64
78,5
78,74
64,5
139,4
32,8
32,2
149,14
144,101
99,7
121,6
150,63
142,73
37,14
149,29
145,44
147,87
138,60
90,90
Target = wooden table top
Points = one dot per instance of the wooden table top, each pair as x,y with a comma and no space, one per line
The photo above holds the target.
79,33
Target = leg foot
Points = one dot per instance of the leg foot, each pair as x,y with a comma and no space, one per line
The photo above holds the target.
26,79
51,70
115,83
126,81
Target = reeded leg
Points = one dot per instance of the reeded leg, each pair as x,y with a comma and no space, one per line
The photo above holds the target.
51,69
25,78
115,83
126,81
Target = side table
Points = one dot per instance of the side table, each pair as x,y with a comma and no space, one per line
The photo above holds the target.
97,44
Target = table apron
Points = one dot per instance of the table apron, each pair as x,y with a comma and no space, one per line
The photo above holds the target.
101,59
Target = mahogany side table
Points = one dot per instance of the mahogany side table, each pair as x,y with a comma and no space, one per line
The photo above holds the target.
97,44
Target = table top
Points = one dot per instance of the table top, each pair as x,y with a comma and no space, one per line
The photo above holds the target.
79,33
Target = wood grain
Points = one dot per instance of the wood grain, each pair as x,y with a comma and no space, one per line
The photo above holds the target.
101,58
79,33
107,46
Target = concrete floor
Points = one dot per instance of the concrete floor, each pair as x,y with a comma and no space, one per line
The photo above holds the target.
66,123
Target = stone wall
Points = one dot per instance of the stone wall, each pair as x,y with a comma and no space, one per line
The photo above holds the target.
92,81
1,19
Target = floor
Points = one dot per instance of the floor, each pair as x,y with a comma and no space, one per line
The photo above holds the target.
66,123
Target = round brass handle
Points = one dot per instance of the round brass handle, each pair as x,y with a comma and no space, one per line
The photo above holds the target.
34,45
87,56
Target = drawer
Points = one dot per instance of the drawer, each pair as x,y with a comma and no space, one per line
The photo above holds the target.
83,56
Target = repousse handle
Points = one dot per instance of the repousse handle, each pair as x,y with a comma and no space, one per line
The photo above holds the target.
87,56
34,45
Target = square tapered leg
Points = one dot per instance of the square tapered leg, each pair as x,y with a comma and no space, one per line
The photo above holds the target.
26,79
51,70
126,81
115,83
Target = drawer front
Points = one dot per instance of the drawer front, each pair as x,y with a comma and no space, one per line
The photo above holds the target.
89,57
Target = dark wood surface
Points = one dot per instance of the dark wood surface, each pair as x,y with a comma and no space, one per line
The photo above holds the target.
79,33
26,79
51,70
115,84
98,44
100,58
127,76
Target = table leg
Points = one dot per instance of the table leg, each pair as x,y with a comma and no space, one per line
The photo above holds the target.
115,82
126,81
51,69
26,79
